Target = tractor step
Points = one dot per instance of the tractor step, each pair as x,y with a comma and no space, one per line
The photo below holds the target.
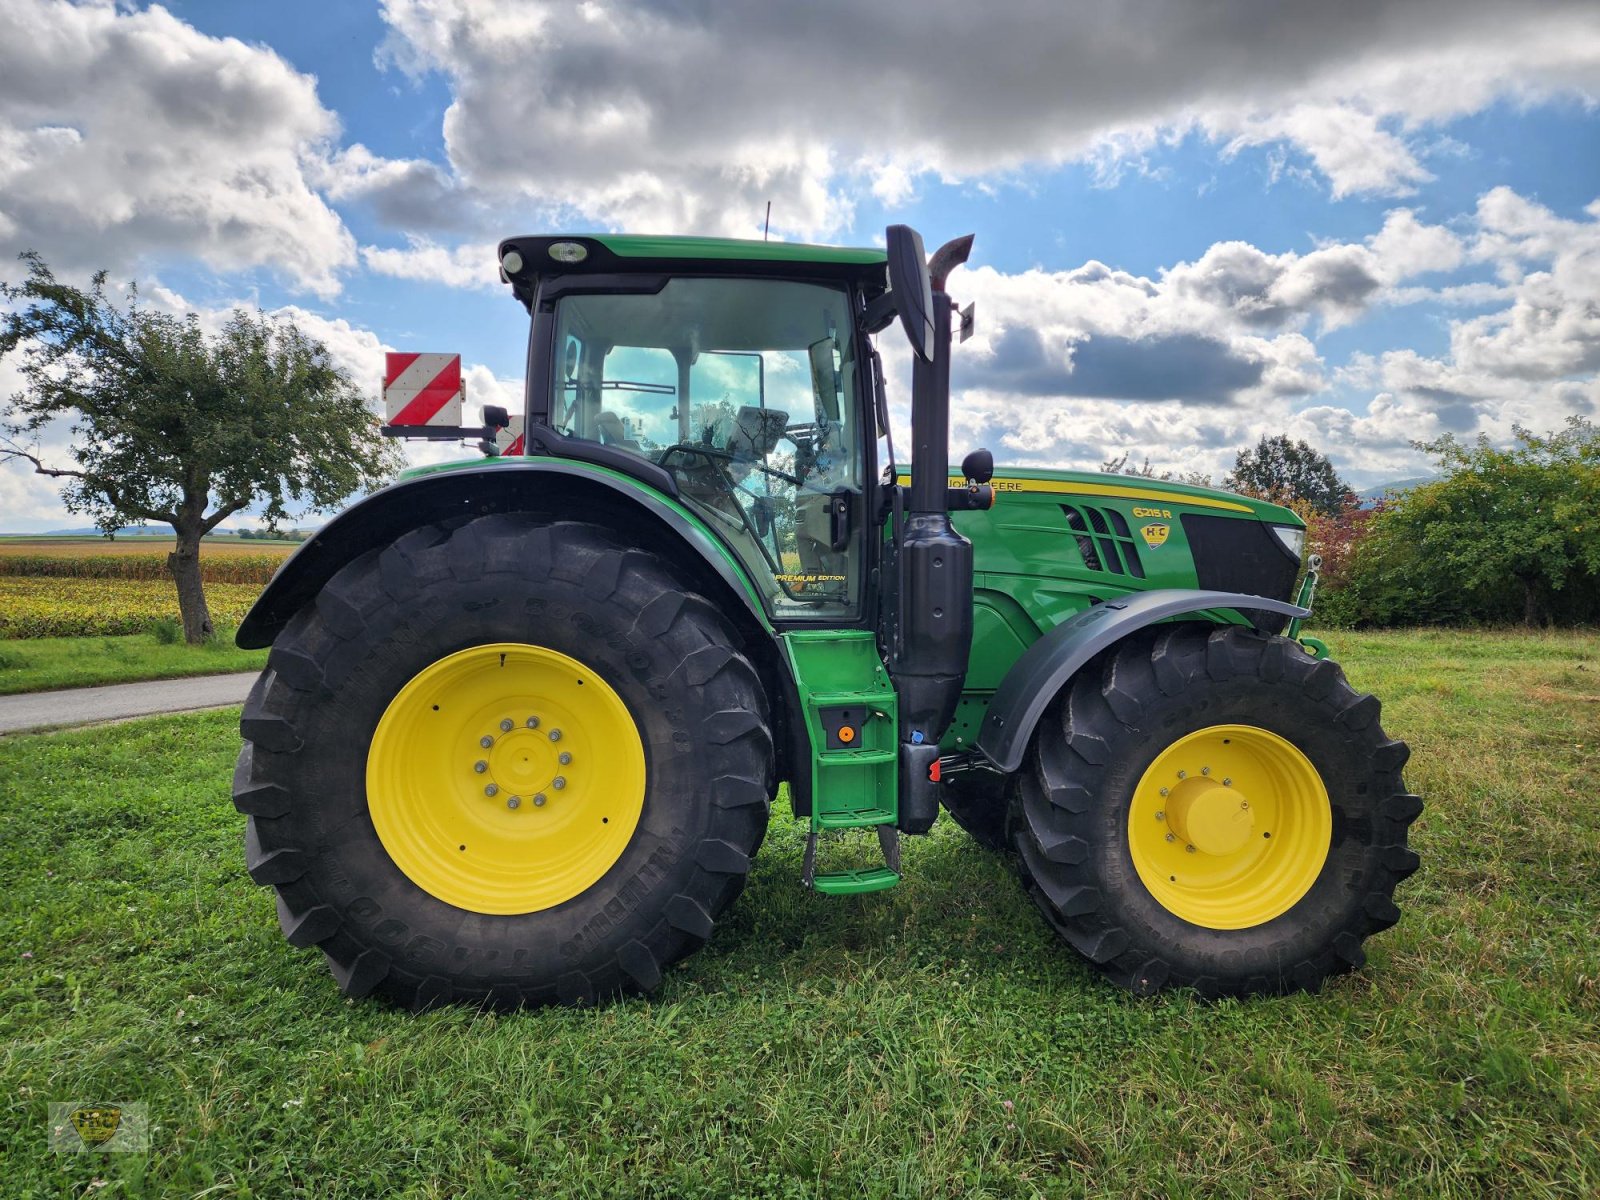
853,818
860,880
855,883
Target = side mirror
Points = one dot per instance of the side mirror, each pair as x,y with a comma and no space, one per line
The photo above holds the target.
978,466
825,380
495,417
911,287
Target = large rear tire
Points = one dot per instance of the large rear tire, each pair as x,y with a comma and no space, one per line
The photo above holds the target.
504,761
1215,809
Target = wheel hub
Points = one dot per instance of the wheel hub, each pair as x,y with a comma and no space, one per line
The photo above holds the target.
525,763
1210,817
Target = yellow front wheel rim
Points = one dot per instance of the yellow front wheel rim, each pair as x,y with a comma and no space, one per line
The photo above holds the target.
1230,826
506,778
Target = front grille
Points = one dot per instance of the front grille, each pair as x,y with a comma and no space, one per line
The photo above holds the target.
1242,555
1104,540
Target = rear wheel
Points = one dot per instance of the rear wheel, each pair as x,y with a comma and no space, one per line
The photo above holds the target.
1215,809
505,761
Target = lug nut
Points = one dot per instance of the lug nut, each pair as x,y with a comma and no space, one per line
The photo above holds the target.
486,741
1205,770
1164,791
538,800
1183,774
1161,816
1226,782
555,735
558,783
1172,837
1190,849
492,790
507,725
514,802
563,758
533,722
480,766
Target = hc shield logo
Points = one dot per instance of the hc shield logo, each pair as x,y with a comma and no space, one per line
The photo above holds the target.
97,1124
1155,533
77,1128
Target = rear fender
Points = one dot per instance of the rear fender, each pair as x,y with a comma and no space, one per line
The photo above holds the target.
564,490
1046,666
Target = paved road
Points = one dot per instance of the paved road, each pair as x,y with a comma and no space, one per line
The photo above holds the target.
87,706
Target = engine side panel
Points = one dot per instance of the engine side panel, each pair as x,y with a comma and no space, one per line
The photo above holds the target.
1058,543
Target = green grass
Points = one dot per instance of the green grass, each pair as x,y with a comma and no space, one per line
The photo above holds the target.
39,664
931,1041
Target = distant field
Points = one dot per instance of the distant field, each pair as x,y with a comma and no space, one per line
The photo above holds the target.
35,607
93,547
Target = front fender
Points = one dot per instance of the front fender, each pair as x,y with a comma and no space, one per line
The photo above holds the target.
567,490
1045,667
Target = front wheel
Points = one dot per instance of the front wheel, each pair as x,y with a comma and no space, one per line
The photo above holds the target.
504,761
1215,809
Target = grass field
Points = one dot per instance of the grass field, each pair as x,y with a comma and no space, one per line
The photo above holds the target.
931,1041
38,664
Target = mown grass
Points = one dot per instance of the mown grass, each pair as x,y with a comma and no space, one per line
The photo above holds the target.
39,664
931,1041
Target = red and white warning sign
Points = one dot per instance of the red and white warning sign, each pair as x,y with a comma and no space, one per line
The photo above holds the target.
422,389
510,439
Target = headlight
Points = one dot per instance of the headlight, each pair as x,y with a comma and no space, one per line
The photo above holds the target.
1293,539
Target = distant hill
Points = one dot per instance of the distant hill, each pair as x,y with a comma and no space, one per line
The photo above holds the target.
1373,494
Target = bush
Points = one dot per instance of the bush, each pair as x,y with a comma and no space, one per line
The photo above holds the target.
1504,535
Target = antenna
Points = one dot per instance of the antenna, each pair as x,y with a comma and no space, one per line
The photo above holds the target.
765,229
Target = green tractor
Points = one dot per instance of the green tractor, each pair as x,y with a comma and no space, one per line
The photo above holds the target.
524,716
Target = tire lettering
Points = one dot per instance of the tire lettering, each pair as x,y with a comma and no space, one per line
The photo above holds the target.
622,902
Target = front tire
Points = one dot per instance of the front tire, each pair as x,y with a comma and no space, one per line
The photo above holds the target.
403,747
1145,818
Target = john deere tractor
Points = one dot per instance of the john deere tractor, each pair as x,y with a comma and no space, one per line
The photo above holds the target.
525,715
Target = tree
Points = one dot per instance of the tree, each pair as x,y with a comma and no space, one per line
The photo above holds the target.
1119,466
1505,534
1281,470
169,423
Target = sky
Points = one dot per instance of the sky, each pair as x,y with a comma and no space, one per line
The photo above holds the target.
1364,224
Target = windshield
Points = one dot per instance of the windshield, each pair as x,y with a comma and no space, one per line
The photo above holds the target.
741,389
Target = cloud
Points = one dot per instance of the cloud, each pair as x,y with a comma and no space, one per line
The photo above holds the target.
1071,367
470,265
127,134
669,115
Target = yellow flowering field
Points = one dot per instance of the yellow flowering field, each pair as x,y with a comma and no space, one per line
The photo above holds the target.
41,606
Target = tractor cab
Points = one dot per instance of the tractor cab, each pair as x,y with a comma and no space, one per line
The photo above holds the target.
746,392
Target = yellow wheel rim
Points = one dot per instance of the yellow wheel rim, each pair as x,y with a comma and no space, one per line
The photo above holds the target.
1230,826
506,778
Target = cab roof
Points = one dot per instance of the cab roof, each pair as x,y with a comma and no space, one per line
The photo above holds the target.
616,253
